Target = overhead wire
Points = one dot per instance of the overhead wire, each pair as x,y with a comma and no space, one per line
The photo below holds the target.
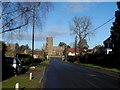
104,23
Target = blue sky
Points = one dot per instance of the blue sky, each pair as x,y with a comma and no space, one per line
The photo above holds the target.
57,22
58,19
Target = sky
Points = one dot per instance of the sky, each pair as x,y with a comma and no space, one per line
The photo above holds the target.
58,19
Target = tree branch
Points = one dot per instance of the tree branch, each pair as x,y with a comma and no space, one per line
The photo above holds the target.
13,28
18,16
10,12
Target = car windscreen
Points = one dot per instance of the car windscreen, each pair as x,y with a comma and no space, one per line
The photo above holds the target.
18,61
9,60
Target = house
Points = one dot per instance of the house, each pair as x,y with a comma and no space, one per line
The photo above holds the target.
108,45
36,56
71,51
90,51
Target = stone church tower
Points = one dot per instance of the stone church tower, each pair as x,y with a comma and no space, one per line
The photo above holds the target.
53,50
49,45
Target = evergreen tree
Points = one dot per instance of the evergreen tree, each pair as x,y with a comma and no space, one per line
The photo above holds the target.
62,44
115,30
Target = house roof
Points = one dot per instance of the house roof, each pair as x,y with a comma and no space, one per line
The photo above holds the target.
73,50
107,40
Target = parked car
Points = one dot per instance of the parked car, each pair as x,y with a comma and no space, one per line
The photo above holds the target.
26,59
15,63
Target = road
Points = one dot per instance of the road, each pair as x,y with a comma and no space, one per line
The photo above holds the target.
61,74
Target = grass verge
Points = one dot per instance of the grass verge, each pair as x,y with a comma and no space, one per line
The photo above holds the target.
23,79
100,67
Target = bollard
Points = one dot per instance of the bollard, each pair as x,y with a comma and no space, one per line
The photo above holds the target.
30,76
17,86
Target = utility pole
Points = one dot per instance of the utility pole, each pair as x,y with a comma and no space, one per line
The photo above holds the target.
75,46
66,53
33,33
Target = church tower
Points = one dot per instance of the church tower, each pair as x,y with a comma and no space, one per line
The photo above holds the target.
49,45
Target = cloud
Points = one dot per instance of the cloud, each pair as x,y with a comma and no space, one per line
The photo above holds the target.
55,32
24,36
38,36
76,7
52,31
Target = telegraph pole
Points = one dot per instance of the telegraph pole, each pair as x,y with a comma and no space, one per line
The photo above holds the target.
33,34
75,45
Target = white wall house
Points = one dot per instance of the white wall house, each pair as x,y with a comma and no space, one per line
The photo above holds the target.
71,52
108,45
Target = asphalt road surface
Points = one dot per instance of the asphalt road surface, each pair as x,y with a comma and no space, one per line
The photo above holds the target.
61,74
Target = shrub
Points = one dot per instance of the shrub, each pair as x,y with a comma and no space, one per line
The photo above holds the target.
71,58
111,61
26,60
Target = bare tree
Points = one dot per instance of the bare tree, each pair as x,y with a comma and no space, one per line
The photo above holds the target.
16,16
80,27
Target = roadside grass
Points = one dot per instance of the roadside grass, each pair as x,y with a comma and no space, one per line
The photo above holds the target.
100,67
23,79
43,65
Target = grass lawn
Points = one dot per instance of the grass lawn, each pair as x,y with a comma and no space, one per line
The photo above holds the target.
23,79
100,67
